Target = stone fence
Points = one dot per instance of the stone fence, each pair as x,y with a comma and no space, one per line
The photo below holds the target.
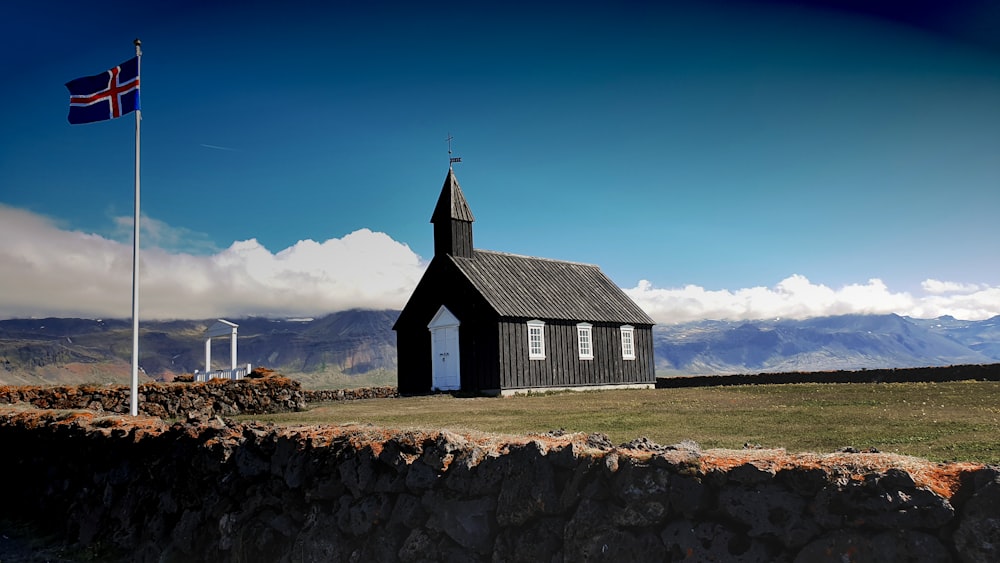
937,374
324,395
169,400
140,489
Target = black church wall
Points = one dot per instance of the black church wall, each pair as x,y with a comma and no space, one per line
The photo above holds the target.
562,366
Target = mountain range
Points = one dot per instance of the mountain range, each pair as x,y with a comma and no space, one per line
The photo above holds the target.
846,342
358,347
332,350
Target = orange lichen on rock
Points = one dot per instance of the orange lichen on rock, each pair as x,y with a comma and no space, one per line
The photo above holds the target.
261,371
943,479
83,417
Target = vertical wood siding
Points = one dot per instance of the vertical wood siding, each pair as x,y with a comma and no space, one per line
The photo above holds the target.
453,237
562,366
478,344
494,351
413,366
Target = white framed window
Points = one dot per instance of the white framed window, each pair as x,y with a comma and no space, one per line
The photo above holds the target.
628,342
585,340
536,340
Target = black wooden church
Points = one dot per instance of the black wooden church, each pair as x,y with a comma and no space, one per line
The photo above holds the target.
491,322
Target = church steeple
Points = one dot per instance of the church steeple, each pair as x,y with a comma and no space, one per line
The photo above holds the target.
452,221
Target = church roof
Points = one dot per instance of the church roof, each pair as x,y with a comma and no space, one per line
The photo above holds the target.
528,287
451,203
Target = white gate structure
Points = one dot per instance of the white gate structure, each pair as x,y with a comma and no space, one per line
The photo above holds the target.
221,328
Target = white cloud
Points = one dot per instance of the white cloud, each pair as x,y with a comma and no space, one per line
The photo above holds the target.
797,297
937,287
48,271
981,304
156,233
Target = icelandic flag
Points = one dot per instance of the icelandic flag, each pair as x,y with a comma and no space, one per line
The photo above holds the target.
108,95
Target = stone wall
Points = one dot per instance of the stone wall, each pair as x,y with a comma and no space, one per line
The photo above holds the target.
169,400
140,489
984,372
319,396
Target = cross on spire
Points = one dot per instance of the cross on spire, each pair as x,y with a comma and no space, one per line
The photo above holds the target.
451,159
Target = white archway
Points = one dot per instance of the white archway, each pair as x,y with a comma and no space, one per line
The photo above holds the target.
220,328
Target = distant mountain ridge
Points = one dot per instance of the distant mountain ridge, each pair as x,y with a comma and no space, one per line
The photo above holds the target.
981,336
846,342
350,346
52,350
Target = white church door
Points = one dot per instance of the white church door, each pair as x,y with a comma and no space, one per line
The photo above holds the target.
445,373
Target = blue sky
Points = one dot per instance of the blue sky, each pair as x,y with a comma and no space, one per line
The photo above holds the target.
719,159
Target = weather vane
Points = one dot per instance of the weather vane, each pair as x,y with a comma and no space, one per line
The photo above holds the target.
451,159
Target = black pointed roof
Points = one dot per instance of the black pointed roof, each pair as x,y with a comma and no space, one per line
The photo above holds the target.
451,205
529,287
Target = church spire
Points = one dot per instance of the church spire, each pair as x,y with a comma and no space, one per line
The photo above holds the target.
452,220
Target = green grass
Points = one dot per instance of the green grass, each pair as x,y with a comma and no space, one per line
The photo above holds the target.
957,421
333,378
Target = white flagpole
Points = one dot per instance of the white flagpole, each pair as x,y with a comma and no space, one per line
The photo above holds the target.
135,251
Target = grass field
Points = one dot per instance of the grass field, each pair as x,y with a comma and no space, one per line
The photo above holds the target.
956,421
334,378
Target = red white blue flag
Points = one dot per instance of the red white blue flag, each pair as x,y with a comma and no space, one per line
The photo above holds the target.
108,95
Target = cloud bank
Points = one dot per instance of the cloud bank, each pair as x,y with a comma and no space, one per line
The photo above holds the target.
46,270
798,298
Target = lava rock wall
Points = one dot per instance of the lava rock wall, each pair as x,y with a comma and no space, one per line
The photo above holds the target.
140,489
325,395
938,374
169,400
